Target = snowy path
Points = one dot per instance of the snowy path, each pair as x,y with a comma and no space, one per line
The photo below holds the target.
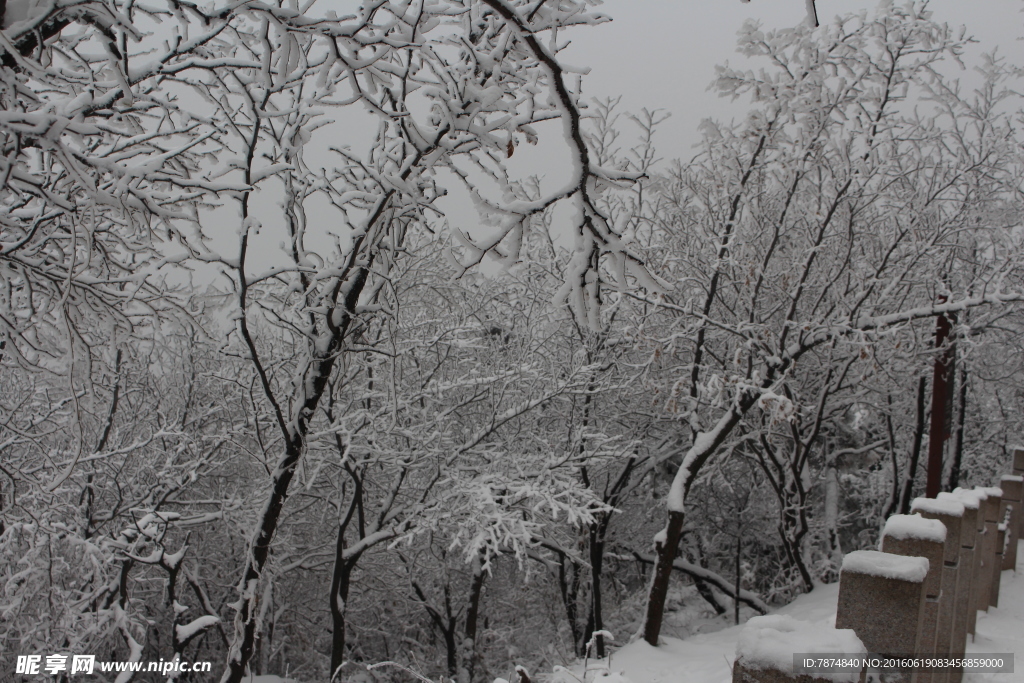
1002,628
707,658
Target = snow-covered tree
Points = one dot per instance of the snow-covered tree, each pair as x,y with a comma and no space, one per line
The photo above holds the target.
821,227
137,138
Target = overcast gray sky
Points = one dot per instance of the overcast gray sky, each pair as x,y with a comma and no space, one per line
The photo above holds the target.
687,38
661,54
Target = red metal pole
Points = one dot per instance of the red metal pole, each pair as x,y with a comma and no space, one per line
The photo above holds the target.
940,391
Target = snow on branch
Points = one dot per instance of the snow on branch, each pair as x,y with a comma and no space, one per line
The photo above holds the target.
698,572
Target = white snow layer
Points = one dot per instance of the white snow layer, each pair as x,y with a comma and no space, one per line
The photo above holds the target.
977,492
965,498
186,631
993,491
887,566
611,677
769,642
902,527
938,506
1011,477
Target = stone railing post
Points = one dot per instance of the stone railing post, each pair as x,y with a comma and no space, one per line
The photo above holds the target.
764,652
951,633
992,550
1013,491
1018,469
982,564
1000,549
881,597
915,536
969,555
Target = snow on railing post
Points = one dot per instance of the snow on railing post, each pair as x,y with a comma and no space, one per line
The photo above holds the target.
951,632
881,597
993,563
915,536
767,645
1013,491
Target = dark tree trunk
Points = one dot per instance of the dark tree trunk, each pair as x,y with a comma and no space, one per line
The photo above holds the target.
667,552
448,633
446,624
792,530
569,586
318,371
470,646
894,496
598,535
784,479
739,557
907,494
341,581
452,650
598,530
662,574
709,596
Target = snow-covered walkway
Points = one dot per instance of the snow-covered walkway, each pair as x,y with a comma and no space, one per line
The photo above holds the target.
1001,629
707,658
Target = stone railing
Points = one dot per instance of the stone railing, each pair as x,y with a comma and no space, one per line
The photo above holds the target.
919,594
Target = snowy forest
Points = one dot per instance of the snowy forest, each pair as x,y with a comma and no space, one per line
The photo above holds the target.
298,375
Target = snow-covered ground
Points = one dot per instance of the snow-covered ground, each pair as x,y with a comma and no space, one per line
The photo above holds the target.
1001,629
707,658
